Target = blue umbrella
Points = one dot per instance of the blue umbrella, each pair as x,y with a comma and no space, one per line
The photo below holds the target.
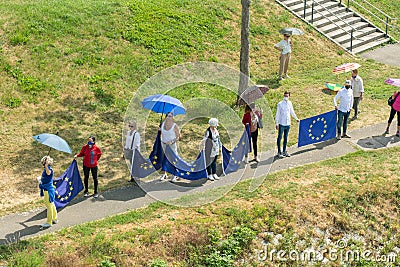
163,104
53,141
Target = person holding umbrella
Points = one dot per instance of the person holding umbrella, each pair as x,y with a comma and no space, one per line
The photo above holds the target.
285,47
91,155
47,191
358,90
170,134
395,109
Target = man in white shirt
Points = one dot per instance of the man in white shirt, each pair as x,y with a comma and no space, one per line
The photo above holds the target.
346,102
285,46
358,91
283,112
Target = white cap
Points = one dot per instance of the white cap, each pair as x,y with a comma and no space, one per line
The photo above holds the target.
348,82
213,122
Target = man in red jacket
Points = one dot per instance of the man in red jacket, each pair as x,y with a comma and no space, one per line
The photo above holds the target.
91,154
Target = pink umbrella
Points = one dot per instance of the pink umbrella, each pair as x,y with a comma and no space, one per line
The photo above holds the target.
392,81
253,93
346,67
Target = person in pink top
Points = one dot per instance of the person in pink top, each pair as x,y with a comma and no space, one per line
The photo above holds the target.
91,155
395,109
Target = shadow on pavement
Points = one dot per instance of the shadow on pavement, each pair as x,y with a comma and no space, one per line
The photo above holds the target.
16,236
317,146
378,141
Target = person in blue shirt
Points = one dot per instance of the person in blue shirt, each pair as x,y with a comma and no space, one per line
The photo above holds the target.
48,191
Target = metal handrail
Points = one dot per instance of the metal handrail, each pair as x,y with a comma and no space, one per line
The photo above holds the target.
340,19
388,18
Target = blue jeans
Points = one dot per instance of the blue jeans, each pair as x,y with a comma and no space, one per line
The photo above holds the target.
342,119
285,131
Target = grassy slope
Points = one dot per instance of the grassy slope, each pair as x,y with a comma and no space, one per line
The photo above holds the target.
72,66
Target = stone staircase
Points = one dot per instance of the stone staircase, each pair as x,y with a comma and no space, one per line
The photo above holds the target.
336,22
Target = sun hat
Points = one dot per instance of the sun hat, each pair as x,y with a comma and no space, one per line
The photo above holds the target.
213,122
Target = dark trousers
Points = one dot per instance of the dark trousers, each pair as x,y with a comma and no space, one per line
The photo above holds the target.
343,118
254,137
212,166
86,171
356,101
283,130
392,114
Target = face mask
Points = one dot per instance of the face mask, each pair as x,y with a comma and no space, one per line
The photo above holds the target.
90,143
347,87
286,98
354,76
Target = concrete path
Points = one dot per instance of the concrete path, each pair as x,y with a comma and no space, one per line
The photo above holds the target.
388,54
20,226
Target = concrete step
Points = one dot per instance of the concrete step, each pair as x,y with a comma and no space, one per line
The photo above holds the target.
363,40
349,18
334,14
335,21
360,29
370,45
317,7
290,3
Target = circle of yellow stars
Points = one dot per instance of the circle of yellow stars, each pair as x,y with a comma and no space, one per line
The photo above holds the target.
68,193
317,138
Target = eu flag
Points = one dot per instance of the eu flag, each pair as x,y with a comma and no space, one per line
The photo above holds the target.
231,160
157,154
141,167
317,129
177,166
68,185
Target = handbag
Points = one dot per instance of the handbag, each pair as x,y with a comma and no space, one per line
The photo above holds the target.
260,123
391,101
128,152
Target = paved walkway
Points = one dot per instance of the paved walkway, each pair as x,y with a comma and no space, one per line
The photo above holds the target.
19,226
388,54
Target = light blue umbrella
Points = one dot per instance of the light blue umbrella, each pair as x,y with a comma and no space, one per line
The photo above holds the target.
53,141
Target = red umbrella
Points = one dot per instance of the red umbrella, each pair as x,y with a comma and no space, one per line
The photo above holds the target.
346,67
253,93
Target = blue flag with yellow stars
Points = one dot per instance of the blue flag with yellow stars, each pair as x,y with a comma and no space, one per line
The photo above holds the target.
157,154
317,129
68,185
231,160
141,167
177,166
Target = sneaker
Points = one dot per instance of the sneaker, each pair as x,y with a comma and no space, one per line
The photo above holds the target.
287,76
163,177
211,177
257,159
216,177
280,156
96,195
387,131
86,194
398,134
174,179
55,221
354,118
346,136
286,154
246,160
281,79
45,225
338,137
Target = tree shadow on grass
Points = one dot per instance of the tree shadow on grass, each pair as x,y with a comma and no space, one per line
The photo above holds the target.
271,83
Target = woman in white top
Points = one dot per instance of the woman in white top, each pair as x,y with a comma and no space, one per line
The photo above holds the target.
170,133
132,142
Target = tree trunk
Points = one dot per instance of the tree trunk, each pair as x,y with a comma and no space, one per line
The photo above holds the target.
244,51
